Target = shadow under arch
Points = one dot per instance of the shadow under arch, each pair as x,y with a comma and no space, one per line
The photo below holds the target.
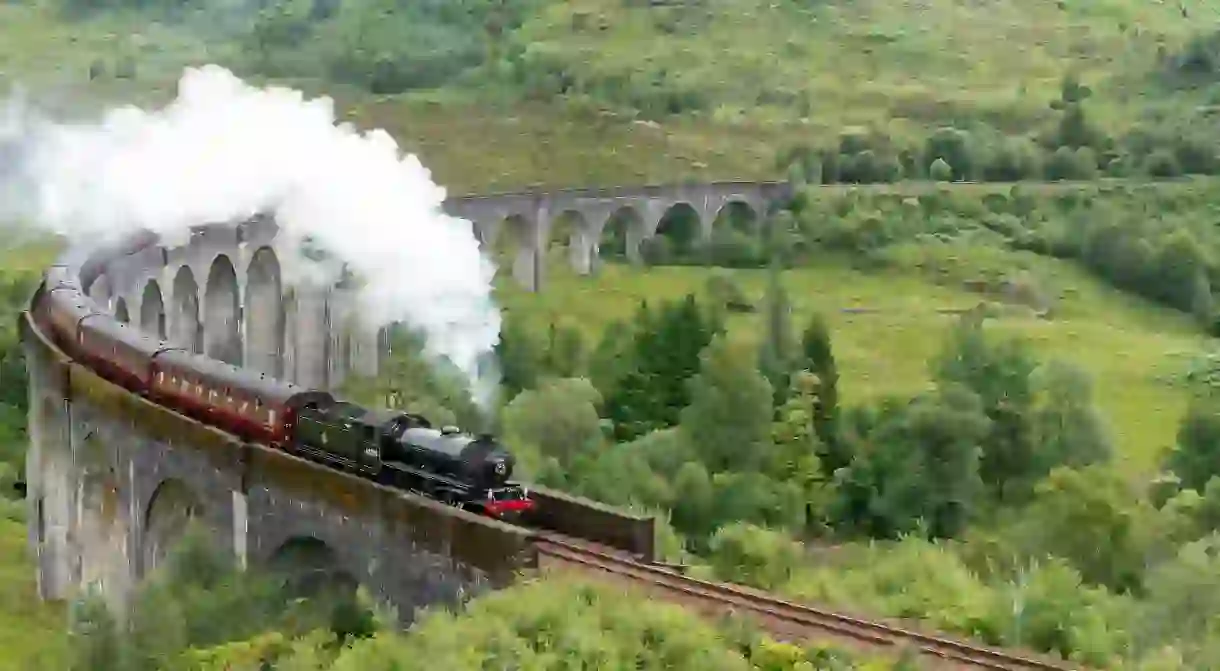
121,313
622,229
737,215
222,318
310,568
186,325
152,310
265,313
567,240
173,509
678,235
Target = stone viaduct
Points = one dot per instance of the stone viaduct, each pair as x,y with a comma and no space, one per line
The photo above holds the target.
532,219
112,478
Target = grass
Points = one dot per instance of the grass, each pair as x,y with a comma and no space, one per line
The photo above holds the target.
31,632
1132,349
770,73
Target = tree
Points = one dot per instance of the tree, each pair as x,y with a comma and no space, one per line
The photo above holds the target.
777,351
999,373
729,417
612,357
665,355
565,352
953,148
1092,518
818,358
1195,458
795,456
1068,428
940,171
520,355
559,419
919,466
693,500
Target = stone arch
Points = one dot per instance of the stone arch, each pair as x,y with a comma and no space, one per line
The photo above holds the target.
737,215
187,328
265,315
99,291
221,313
511,235
152,310
120,311
515,249
677,236
171,510
620,235
567,239
310,566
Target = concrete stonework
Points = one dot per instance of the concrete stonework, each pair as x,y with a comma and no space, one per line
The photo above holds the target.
112,479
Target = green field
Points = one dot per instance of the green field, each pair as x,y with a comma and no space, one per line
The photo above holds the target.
1132,349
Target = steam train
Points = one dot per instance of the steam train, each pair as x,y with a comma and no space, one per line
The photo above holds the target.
392,447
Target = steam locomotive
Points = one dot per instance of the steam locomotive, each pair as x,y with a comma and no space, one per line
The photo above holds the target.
392,447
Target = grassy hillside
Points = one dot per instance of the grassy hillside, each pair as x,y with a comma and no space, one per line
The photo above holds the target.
1134,351
563,97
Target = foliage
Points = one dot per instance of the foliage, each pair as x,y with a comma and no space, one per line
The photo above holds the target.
665,354
558,421
1194,458
728,420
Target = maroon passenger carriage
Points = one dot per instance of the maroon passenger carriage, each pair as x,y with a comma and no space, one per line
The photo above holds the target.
251,405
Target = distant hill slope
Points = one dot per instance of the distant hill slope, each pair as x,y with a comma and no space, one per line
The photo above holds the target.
926,61
564,87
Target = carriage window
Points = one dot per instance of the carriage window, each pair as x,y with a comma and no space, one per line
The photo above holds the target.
244,405
271,417
160,377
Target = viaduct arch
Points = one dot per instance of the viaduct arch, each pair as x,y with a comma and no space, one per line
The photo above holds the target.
112,478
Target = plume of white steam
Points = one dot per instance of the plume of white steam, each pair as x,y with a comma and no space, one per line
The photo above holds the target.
224,151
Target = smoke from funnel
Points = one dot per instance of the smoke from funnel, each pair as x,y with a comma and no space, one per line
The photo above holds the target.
223,151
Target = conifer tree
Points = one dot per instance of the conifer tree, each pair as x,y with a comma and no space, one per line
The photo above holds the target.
666,354
820,360
776,352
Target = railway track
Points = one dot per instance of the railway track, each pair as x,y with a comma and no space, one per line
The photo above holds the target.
783,619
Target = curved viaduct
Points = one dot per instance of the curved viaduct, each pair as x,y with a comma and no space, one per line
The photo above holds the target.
112,478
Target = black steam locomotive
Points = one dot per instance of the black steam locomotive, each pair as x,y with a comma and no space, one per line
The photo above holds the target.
404,450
